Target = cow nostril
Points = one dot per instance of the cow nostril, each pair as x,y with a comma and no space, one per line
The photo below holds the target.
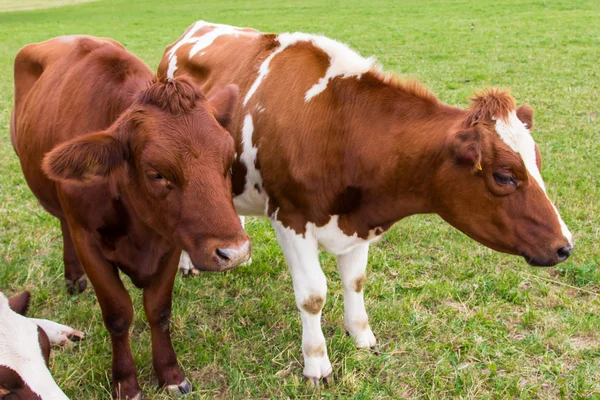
563,253
224,254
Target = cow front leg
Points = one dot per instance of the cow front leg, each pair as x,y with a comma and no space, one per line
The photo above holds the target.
74,275
117,314
310,289
352,267
157,304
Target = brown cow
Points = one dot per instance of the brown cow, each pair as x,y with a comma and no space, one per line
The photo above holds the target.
334,152
25,351
138,170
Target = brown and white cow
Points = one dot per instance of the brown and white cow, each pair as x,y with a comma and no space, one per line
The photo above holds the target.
135,169
334,152
25,351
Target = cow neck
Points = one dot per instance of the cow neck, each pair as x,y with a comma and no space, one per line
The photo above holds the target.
401,155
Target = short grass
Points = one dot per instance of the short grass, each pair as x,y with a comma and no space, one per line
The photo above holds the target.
453,319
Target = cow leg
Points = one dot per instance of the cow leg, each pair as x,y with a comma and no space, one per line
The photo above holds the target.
157,304
310,288
352,266
117,314
74,274
243,222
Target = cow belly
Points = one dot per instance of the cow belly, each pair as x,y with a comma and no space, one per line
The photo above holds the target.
252,201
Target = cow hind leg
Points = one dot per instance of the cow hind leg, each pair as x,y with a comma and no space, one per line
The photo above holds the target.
352,267
74,275
310,289
157,304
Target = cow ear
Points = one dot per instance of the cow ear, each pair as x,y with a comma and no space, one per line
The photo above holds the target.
466,146
84,157
525,115
20,303
223,102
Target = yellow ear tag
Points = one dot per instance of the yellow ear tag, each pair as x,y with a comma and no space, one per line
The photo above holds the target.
479,167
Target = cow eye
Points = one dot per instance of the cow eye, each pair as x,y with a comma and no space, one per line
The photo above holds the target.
155,176
504,179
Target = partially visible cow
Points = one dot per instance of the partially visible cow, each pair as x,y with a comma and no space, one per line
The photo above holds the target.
25,351
335,152
135,169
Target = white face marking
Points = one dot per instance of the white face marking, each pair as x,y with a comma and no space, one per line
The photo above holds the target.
343,61
20,351
516,135
251,201
172,67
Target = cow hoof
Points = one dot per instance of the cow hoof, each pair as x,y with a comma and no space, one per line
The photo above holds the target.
77,286
316,382
75,336
183,388
190,272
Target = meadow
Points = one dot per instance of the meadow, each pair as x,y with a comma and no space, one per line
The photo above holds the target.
453,319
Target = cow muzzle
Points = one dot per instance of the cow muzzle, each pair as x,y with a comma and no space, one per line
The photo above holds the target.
221,255
558,255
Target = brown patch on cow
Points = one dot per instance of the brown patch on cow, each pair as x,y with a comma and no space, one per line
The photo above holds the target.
238,179
318,351
175,96
490,104
314,304
362,325
347,201
359,283
20,302
44,345
11,383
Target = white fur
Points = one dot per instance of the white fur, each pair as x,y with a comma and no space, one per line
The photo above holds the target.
58,334
20,351
201,42
516,135
343,61
172,67
250,201
351,266
302,255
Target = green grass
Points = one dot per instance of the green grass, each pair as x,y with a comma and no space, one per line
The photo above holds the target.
453,319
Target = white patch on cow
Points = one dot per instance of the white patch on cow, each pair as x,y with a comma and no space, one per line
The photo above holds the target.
310,285
302,255
58,334
202,41
335,241
20,351
343,61
251,201
516,135
172,67
352,268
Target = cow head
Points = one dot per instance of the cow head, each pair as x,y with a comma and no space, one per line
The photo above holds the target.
170,156
491,188
24,354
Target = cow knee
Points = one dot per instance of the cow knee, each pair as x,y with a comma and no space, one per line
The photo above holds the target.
117,324
313,304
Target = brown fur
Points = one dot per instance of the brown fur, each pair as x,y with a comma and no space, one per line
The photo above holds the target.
314,304
376,149
135,169
359,283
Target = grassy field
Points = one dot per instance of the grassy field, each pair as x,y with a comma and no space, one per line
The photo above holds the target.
453,319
